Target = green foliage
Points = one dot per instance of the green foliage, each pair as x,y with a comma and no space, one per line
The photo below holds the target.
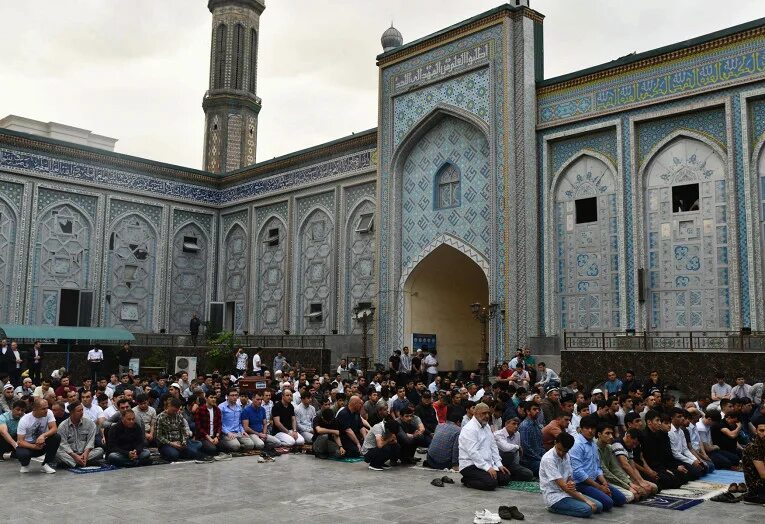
221,349
154,357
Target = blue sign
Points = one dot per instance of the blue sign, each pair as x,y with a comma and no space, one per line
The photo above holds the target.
423,341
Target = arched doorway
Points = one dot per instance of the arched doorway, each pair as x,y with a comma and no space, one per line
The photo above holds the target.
438,292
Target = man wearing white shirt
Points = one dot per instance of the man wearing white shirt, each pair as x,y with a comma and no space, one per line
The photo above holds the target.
509,445
480,464
680,449
720,389
91,409
741,389
547,377
256,363
95,358
435,386
557,483
431,365
475,394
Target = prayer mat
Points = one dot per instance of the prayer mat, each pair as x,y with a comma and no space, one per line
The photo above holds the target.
347,459
724,476
245,453
91,469
697,489
527,487
667,502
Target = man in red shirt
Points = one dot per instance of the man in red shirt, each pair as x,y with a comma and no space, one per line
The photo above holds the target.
440,406
64,388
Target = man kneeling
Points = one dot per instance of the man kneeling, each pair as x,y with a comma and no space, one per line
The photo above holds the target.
78,436
480,464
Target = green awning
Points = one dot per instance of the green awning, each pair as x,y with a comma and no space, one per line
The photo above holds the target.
19,331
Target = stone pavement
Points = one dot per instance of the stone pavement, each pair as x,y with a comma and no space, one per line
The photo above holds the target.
294,489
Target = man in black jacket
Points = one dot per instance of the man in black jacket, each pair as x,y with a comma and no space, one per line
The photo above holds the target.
123,359
427,413
126,443
661,466
35,362
194,328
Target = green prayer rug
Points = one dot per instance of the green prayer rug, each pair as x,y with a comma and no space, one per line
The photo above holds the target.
528,487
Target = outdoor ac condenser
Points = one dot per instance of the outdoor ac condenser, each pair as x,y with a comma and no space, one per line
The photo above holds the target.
187,364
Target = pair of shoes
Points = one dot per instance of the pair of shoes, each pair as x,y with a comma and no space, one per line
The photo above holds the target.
510,513
222,456
373,468
486,517
45,468
24,469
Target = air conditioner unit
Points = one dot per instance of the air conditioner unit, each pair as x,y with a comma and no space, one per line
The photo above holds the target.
187,364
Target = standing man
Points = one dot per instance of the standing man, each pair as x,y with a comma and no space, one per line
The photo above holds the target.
16,362
256,362
405,366
123,358
431,365
37,434
241,362
479,461
194,324
279,361
4,356
417,365
78,437
34,362
95,358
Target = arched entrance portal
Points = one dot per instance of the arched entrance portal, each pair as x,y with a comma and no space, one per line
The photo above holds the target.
438,294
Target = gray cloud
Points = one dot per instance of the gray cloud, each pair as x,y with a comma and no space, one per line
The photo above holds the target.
137,70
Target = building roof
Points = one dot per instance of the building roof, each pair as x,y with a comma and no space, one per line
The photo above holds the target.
635,58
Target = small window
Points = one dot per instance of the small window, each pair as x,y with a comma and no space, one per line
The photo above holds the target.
448,187
586,210
111,242
65,225
190,245
316,314
273,237
365,308
366,223
685,198
318,231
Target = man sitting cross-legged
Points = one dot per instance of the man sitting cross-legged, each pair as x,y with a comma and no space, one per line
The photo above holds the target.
255,423
285,424
753,464
480,464
233,437
612,470
557,484
173,434
208,424
78,436
126,441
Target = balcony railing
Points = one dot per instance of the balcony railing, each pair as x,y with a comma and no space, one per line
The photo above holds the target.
701,341
265,341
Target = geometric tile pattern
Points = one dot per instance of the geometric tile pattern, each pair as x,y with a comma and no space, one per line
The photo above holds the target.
710,123
463,145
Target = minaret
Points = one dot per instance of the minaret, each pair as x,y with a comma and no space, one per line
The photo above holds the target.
231,104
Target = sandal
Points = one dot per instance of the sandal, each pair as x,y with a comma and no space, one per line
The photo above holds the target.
447,480
742,488
437,482
733,488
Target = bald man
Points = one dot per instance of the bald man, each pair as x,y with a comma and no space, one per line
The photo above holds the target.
37,434
353,428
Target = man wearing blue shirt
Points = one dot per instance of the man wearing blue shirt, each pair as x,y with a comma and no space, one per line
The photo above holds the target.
613,385
585,463
531,438
234,437
255,423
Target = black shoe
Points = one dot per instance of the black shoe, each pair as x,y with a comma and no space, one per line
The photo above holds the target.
447,480
438,483
510,513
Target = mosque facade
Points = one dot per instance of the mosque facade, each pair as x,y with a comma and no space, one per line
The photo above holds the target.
626,196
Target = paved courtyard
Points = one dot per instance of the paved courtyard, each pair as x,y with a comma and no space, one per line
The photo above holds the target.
295,488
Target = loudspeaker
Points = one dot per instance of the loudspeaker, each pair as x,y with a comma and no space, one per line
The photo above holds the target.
215,320
641,285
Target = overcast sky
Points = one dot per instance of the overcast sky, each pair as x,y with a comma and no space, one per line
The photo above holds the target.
137,70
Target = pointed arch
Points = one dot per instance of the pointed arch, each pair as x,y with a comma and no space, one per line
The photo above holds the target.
358,272
188,291
8,228
271,281
315,273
